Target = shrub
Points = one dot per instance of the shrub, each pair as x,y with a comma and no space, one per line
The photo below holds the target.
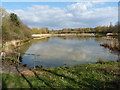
101,61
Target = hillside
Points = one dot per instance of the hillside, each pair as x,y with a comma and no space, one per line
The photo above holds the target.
13,28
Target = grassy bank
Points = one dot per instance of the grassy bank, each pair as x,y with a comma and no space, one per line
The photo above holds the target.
86,76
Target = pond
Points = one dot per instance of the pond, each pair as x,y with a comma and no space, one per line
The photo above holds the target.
70,50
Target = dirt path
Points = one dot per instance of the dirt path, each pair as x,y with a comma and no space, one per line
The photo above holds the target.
11,68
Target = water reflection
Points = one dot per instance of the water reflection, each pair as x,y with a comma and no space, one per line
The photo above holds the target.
57,51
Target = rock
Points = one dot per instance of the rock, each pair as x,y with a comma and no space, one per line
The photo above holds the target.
32,72
65,64
28,73
38,66
25,65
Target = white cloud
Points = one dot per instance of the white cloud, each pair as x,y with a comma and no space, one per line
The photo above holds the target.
80,6
60,0
74,16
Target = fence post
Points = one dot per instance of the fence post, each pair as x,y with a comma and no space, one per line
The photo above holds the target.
18,57
34,60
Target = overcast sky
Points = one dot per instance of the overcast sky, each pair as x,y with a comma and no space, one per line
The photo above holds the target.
58,15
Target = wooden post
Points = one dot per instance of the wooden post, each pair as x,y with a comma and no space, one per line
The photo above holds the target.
18,57
4,55
34,60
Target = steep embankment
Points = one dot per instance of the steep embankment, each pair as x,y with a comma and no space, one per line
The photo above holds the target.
13,28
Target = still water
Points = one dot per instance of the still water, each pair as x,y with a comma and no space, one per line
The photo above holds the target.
60,51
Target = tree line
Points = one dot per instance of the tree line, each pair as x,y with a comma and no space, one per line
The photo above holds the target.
97,30
40,31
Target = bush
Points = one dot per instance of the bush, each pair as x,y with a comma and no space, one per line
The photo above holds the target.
101,61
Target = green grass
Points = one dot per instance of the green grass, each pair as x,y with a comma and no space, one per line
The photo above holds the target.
85,76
